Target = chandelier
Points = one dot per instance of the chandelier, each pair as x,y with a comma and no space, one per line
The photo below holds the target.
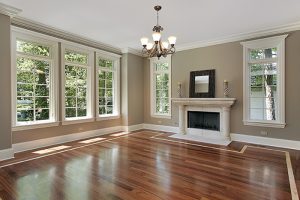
159,48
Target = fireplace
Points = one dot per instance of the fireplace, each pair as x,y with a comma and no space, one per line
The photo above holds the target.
204,120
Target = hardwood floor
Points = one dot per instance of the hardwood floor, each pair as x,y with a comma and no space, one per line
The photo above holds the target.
148,165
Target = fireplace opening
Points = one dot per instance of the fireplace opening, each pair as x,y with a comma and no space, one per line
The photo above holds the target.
204,120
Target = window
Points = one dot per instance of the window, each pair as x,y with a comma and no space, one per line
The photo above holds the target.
264,97
161,87
77,81
108,81
34,63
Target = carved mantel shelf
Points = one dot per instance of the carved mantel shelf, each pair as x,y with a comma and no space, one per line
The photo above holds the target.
221,105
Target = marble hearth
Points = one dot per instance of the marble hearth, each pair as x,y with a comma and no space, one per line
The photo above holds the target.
213,105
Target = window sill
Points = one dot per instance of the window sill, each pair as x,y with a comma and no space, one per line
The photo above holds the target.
77,121
161,116
107,117
34,126
265,124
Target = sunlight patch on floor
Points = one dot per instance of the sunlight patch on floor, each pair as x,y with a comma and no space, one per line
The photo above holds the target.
49,150
119,134
91,140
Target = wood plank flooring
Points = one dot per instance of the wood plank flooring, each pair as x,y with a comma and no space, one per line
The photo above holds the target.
148,165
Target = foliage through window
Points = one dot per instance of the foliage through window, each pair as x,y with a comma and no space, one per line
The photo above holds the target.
106,86
76,84
34,65
161,87
264,69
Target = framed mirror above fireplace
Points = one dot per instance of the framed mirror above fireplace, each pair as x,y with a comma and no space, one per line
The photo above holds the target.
202,84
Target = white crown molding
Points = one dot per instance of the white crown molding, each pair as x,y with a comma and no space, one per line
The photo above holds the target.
6,154
61,34
239,37
9,10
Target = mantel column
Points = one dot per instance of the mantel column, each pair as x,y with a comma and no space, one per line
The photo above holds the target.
226,122
182,119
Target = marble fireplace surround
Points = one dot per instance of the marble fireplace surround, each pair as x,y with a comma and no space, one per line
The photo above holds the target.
221,105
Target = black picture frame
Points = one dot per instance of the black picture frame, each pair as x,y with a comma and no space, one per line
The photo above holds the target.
211,85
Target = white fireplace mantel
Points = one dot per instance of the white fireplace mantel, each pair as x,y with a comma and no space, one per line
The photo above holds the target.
221,105
211,102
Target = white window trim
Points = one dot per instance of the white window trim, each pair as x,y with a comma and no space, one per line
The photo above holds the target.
279,42
49,41
90,77
116,59
168,59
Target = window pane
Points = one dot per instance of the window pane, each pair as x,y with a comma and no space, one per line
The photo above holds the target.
102,110
30,71
263,53
108,64
32,48
41,90
109,110
257,91
81,92
102,74
101,83
109,84
257,103
82,73
109,75
70,91
25,77
102,101
70,102
42,102
256,114
70,70
42,114
108,93
257,81
76,57
24,89
101,92
161,66
269,114
70,112
24,115
81,102
81,112
25,103
109,101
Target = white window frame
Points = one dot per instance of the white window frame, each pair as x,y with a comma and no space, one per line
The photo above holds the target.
153,61
116,61
18,33
271,42
90,81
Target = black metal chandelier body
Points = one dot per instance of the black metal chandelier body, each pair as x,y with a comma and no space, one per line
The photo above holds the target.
159,48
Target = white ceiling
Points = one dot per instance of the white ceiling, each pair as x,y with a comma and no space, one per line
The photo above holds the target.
121,23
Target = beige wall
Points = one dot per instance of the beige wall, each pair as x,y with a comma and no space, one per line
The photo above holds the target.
5,83
227,60
132,89
136,90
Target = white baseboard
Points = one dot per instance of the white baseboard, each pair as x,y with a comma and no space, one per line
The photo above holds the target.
6,154
25,146
155,127
289,144
282,143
